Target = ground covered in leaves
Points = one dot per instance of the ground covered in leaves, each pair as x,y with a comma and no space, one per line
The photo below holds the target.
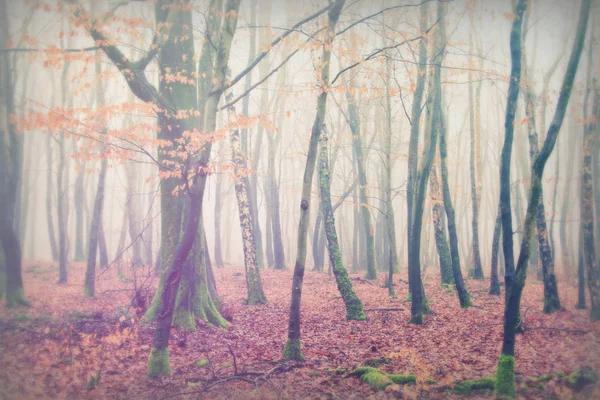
69,346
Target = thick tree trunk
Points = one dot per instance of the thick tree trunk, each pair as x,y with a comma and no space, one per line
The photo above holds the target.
587,201
158,362
293,349
10,164
505,378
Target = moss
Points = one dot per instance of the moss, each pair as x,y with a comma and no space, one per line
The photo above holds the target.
314,373
416,319
505,377
406,379
379,379
87,292
184,319
468,386
15,298
581,378
158,363
293,350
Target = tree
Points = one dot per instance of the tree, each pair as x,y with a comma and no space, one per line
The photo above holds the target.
354,307
10,163
587,200
354,122
243,195
293,349
505,378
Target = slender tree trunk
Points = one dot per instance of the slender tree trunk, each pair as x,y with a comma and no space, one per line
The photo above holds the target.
505,157
354,308
390,219
61,213
49,191
551,297
566,259
494,281
218,206
414,128
293,349
475,195
316,241
79,199
133,205
441,242
256,294
355,128
505,378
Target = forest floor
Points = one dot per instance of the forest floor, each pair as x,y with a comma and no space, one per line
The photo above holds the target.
69,346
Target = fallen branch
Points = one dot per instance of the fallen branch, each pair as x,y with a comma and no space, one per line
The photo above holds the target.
385,309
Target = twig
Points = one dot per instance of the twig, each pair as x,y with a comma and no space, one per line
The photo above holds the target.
385,309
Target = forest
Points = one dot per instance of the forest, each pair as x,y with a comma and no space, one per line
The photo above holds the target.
273,199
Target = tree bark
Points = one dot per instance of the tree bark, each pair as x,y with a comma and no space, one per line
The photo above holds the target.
354,307
505,382
293,350
355,128
256,294
10,164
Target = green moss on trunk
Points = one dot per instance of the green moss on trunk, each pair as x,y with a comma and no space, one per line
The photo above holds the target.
15,298
158,363
505,377
293,350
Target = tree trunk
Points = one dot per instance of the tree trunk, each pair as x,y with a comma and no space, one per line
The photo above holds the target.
587,201
416,110
10,164
390,219
551,298
61,212
293,350
475,195
354,307
494,281
505,378
441,242
505,157
256,294
79,199
49,191
218,206
355,128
